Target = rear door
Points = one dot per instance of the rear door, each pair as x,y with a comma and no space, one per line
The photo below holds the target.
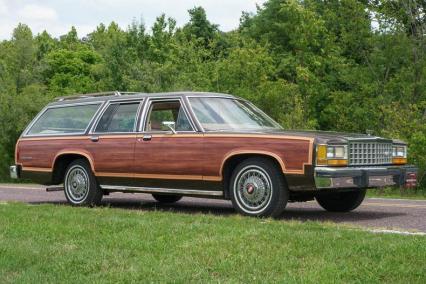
113,140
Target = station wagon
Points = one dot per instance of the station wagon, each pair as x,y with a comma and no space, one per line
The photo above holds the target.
203,145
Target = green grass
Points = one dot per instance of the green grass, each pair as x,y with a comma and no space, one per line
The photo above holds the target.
48,243
403,193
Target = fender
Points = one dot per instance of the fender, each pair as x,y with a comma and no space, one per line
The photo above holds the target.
265,153
83,153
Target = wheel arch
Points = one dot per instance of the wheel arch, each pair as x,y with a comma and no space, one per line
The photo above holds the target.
63,159
233,159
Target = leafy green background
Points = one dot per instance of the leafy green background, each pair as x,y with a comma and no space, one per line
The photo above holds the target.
346,65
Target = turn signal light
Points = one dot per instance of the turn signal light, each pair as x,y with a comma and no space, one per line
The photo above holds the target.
337,162
322,155
399,161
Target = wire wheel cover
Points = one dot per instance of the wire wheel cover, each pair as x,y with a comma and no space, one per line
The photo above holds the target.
253,188
77,184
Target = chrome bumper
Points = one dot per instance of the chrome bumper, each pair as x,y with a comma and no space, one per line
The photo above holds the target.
14,172
365,177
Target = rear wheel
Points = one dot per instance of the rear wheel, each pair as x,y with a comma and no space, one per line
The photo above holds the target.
163,198
80,185
258,188
341,201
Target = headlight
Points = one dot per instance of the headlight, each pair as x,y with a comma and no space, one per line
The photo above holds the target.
332,155
399,154
336,152
399,151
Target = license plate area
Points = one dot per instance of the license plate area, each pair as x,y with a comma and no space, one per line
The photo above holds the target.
380,181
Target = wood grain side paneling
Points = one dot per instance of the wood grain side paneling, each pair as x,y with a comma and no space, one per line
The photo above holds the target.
108,155
113,154
182,156
292,153
176,155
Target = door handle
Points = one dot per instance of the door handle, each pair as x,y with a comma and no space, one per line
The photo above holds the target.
94,138
147,137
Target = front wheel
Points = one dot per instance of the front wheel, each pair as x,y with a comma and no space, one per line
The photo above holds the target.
258,188
80,185
341,201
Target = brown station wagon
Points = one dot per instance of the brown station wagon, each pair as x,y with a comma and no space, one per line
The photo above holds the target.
204,145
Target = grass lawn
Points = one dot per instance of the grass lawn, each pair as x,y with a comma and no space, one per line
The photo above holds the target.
48,243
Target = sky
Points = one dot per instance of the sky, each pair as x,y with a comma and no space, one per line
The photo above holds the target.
58,16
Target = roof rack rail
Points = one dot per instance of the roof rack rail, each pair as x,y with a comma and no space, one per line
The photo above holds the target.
92,95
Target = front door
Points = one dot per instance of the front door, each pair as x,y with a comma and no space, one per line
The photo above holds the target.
169,151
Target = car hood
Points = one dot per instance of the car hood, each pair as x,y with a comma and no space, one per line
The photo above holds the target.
331,137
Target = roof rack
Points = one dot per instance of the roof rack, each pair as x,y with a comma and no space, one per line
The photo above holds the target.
92,95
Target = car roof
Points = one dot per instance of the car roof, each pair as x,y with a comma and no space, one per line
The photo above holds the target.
106,96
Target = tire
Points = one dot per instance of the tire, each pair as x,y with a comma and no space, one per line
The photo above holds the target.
80,185
257,188
341,201
163,198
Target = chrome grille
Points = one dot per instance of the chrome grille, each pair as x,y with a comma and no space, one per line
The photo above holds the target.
370,153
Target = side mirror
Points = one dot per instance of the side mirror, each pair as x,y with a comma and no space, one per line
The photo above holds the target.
170,125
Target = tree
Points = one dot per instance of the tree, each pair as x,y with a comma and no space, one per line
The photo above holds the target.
22,56
71,71
346,65
70,40
200,27
44,44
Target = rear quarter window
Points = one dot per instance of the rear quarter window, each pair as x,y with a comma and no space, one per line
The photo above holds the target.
64,120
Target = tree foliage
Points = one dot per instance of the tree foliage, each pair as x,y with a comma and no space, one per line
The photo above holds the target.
344,65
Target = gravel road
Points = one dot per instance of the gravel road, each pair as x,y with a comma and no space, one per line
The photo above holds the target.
392,214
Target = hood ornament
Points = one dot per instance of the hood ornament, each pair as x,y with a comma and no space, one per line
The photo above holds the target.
369,132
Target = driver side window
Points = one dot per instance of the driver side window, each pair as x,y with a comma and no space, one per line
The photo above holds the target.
167,111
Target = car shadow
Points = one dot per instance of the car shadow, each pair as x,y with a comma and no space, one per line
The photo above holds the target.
305,214
295,211
190,207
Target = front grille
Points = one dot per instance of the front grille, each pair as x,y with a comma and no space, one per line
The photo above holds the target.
370,153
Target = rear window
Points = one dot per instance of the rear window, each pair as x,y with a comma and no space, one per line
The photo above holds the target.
64,120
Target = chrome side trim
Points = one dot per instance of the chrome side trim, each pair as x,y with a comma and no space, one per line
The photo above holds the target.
162,190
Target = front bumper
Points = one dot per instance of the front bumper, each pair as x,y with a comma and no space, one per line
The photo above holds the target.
365,177
15,171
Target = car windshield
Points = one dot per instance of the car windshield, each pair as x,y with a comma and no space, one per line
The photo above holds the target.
225,114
